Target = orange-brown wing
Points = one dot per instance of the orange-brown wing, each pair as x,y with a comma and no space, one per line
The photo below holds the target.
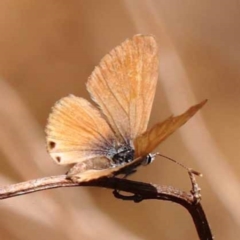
147,142
124,84
97,168
76,131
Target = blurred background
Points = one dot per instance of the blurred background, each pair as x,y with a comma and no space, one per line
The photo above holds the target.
47,51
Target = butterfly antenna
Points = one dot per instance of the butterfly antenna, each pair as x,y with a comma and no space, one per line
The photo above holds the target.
196,190
180,164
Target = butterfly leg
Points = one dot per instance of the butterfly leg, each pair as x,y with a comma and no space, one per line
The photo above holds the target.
136,198
129,172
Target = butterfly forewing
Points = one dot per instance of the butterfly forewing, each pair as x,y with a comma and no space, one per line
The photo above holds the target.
76,131
124,84
148,141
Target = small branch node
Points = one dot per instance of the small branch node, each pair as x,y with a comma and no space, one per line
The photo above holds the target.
196,190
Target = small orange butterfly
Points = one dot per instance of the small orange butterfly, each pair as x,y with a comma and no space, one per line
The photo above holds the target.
105,141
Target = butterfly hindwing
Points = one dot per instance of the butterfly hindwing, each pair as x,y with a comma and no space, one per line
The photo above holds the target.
99,167
76,131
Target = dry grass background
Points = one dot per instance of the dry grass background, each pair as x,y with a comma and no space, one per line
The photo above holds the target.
49,48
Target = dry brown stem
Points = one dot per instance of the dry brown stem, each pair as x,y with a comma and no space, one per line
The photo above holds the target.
141,191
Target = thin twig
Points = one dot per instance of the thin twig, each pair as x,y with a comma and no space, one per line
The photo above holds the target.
141,191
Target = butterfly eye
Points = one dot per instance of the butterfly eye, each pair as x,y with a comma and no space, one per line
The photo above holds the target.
51,145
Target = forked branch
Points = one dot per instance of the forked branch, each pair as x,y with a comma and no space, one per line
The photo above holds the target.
141,191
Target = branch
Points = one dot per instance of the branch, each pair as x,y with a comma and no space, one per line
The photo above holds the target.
141,191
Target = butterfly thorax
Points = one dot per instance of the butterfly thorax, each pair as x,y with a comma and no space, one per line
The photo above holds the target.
122,154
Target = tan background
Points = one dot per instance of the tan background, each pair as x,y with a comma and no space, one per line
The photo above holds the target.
48,49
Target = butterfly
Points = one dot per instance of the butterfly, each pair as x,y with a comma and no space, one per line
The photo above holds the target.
112,137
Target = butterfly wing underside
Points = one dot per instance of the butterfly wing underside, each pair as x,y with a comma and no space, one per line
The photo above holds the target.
76,131
124,83
147,142
85,171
